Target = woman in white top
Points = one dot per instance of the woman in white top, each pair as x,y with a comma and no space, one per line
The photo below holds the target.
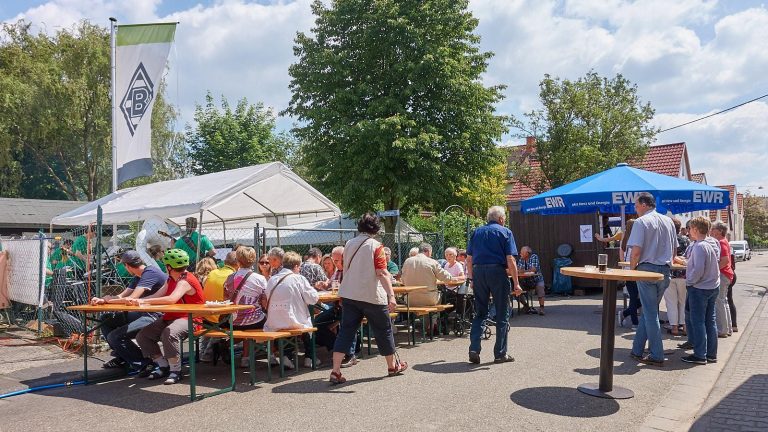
288,297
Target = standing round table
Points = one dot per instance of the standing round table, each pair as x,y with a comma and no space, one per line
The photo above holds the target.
605,388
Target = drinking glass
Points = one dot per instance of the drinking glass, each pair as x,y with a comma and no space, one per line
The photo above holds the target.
602,262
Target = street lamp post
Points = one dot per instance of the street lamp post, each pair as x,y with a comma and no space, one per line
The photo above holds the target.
442,225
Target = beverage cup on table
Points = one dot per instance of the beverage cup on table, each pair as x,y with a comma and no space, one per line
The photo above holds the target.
602,263
335,287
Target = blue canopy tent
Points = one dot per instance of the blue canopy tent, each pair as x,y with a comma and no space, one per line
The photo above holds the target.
615,190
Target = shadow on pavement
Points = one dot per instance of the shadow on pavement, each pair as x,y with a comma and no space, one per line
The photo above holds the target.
748,398
564,401
441,367
322,386
564,316
630,366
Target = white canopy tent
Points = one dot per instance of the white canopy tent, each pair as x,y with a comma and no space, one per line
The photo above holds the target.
269,193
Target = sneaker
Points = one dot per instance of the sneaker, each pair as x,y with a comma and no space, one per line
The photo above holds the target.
541,311
348,361
474,357
693,359
173,378
308,362
287,363
145,370
244,362
159,372
635,357
711,360
115,363
506,358
649,361
685,345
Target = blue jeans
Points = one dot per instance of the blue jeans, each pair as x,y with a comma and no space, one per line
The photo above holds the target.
120,329
649,329
491,281
325,336
702,327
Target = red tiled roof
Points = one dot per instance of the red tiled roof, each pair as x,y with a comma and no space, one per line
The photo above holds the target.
740,202
698,178
713,215
663,159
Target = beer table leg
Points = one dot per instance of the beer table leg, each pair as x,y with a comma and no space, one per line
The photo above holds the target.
605,388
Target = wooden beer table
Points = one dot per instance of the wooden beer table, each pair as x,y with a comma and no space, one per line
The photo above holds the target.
605,388
192,310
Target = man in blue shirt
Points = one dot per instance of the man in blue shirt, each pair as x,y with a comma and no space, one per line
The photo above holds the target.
119,329
490,265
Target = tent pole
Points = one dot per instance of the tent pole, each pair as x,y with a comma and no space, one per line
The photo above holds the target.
199,235
113,91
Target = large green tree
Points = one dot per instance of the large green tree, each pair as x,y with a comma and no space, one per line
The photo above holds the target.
225,139
55,127
584,127
755,218
390,101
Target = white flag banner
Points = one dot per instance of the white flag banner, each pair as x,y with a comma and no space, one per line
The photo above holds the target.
141,53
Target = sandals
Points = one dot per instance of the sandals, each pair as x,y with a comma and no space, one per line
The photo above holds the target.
115,363
337,378
400,367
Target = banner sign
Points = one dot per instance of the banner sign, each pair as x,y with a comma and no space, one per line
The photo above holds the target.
141,53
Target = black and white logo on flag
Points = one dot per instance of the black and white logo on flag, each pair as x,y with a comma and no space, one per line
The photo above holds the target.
137,98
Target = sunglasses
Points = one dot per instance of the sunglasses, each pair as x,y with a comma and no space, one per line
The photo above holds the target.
263,262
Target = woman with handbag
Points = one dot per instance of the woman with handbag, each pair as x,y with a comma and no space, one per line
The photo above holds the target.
366,291
245,287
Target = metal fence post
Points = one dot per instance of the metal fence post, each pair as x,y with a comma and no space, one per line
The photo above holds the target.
399,246
256,242
40,283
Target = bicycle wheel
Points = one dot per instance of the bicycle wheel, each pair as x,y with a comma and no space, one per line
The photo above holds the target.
486,332
458,328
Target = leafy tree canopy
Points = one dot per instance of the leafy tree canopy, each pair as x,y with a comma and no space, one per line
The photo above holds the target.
225,139
585,126
392,110
55,127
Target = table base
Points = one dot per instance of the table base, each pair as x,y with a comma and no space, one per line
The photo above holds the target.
593,389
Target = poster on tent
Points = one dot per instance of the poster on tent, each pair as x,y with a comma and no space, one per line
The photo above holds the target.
140,57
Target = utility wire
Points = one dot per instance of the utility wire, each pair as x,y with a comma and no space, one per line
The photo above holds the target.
714,114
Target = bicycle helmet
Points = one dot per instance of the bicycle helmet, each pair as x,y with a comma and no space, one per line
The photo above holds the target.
176,258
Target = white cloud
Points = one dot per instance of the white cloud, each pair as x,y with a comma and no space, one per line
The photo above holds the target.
686,56
731,148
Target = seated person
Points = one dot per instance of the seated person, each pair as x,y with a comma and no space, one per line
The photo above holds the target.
172,327
288,296
456,269
312,270
213,289
392,267
119,329
528,262
246,287
422,270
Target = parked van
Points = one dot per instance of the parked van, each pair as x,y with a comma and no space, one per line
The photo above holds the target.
741,250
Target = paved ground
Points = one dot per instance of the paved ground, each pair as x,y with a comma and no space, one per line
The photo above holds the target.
554,354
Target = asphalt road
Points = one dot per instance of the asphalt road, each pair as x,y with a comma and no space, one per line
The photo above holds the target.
554,354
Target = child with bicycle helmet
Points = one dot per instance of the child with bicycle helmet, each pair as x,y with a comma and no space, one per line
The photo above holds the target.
171,328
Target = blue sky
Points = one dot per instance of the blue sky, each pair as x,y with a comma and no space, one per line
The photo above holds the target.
689,58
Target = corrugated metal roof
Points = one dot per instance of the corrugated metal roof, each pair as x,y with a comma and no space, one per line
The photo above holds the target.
21,212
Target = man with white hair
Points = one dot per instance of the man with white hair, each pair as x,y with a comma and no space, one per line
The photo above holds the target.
422,270
490,265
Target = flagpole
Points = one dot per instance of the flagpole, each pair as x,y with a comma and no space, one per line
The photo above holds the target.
113,71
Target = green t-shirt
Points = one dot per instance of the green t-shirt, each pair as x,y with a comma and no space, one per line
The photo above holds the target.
80,244
392,268
205,246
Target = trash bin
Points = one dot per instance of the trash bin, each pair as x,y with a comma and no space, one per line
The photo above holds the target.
561,284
